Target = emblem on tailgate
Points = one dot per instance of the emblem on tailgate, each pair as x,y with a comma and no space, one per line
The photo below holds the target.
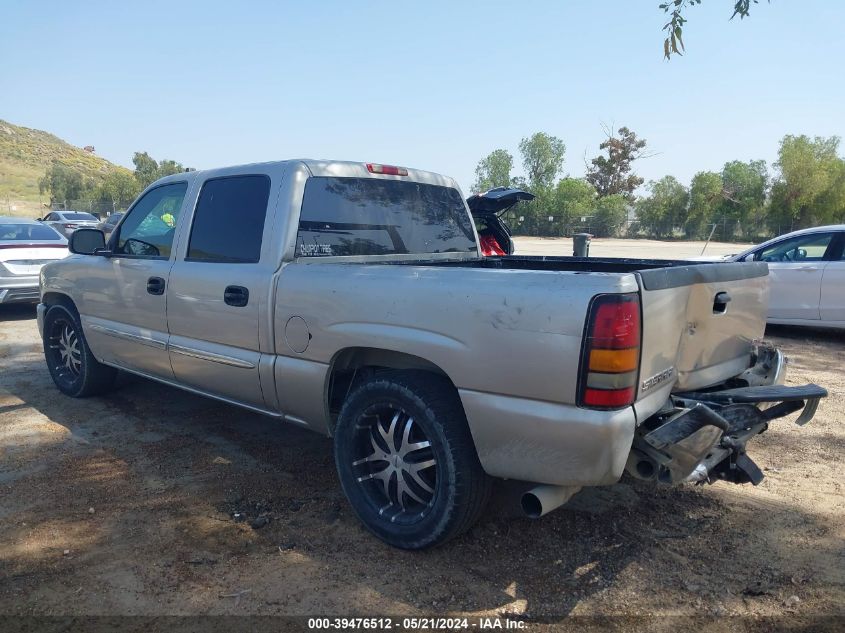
657,379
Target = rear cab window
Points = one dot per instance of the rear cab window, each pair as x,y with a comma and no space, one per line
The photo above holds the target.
345,217
26,232
79,216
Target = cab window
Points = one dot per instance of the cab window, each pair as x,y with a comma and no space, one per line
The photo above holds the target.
229,220
151,224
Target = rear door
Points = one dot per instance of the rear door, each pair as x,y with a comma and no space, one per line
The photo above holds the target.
832,307
796,268
218,297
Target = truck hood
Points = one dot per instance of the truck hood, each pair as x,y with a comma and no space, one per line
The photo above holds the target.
496,201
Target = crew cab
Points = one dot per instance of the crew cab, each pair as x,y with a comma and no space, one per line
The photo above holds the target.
352,299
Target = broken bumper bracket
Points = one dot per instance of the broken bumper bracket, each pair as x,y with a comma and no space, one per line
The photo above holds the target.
704,437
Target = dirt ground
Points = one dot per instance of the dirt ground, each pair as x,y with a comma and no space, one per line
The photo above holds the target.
141,502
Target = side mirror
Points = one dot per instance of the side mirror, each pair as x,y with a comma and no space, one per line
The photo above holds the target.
39,219
87,241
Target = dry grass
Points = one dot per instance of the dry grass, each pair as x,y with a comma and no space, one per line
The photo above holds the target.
25,155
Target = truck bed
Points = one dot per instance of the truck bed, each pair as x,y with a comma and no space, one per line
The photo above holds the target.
656,274
691,339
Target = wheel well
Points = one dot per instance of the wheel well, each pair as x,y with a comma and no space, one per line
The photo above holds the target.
353,365
57,298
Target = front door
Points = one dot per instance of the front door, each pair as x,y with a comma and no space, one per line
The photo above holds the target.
796,267
219,290
124,296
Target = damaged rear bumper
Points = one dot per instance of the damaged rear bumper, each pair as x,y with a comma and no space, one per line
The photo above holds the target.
702,436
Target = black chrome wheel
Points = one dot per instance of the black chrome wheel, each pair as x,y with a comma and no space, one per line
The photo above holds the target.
395,464
72,366
406,461
64,353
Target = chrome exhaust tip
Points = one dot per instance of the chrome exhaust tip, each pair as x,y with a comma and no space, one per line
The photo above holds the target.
541,500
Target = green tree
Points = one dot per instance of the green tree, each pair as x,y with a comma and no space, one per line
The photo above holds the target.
612,174
119,188
574,198
148,170
62,182
705,199
169,167
665,208
810,189
744,187
609,215
494,170
538,211
542,158
674,43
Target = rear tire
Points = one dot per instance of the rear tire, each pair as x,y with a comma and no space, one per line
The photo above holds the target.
72,366
406,460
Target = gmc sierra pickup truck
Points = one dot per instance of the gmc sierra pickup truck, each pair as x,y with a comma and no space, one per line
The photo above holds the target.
352,299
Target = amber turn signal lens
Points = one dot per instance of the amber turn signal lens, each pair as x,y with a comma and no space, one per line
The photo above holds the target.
614,361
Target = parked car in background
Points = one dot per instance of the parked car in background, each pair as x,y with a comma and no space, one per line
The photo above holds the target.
487,208
66,222
806,276
25,246
107,225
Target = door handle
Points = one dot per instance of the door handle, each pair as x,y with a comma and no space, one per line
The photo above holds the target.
155,286
236,296
720,302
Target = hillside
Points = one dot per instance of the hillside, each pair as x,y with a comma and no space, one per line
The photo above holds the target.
25,154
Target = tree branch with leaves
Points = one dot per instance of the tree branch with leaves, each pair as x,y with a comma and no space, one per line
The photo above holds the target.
674,42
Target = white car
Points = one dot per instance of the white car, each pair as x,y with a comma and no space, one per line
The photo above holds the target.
806,276
25,246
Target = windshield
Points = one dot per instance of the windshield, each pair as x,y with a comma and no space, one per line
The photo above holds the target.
370,216
27,232
79,216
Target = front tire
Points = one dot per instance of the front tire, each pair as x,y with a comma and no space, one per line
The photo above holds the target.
72,366
406,460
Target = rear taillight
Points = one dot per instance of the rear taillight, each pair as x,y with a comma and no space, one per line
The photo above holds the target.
610,358
388,170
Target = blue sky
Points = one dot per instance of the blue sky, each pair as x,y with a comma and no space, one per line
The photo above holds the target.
433,85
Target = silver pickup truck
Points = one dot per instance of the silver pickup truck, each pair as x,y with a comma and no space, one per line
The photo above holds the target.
352,299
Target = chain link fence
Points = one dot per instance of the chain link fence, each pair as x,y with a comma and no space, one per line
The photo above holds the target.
100,208
717,230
